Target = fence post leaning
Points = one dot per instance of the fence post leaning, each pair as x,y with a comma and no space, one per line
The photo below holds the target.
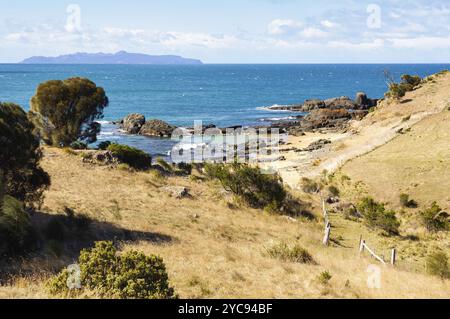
393,256
326,239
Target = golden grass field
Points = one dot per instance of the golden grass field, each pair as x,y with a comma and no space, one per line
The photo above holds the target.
213,249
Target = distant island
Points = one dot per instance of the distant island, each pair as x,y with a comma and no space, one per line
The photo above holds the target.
121,57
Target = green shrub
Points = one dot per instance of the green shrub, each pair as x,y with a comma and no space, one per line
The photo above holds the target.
184,168
132,275
164,165
16,232
405,201
334,191
407,83
77,145
324,278
437,265
376,216
293,253
69,109
134,157
256,189
20,154
309,186
434,219
103,145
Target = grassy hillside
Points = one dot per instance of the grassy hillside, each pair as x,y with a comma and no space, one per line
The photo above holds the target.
211,249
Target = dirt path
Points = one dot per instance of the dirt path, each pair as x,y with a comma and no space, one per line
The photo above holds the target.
375,130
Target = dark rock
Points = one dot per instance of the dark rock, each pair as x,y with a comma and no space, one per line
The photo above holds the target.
133,123
317,145
157,128
363,102
342,102
326,118
310,105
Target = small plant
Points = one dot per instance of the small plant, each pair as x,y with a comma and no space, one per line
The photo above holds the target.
104,145
16,232
309,186
405,201
254,188
434,218
334,191
132,275
437,265
398,90
324,278
164,165
77,145
135,158
376,216
69,151
293,253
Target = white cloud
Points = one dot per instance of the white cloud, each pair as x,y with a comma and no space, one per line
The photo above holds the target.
328,24
422,43
310,33
284,27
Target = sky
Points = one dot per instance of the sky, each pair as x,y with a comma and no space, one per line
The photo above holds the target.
231,31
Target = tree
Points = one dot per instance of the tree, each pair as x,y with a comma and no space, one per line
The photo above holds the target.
65,111
21,176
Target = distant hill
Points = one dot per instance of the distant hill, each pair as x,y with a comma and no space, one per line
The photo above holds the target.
121,57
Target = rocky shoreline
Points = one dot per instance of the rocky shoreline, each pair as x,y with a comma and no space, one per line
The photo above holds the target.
332,114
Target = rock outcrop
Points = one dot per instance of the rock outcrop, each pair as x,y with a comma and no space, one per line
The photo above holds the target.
157,128
133,123
136,124
326,118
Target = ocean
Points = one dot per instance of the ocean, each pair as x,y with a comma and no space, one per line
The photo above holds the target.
224,95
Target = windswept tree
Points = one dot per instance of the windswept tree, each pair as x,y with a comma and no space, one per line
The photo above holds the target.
66,111
20,173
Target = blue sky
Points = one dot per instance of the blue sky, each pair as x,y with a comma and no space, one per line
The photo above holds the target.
232,31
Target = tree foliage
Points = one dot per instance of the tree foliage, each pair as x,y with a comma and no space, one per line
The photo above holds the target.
20,154
132,275
65,111
376,216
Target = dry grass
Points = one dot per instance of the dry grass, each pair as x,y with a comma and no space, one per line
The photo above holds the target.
211,250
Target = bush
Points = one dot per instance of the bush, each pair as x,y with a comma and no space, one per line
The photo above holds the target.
104,145
78,145
324,278
309,186
376,216
130,276
334,191
437,265
184,168
69,109
405,201
294,253
16,232
248,183
20,154
164,165
134,157
407,83
434,219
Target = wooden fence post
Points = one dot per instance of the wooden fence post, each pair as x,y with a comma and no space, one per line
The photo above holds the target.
393,256
326,239
361,246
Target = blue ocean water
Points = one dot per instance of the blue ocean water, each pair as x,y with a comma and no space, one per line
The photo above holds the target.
221,94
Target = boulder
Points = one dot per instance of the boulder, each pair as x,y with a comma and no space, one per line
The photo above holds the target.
100,158
310,105
326,118
342,102
363,102
317,145
157,128
177,191
133,123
